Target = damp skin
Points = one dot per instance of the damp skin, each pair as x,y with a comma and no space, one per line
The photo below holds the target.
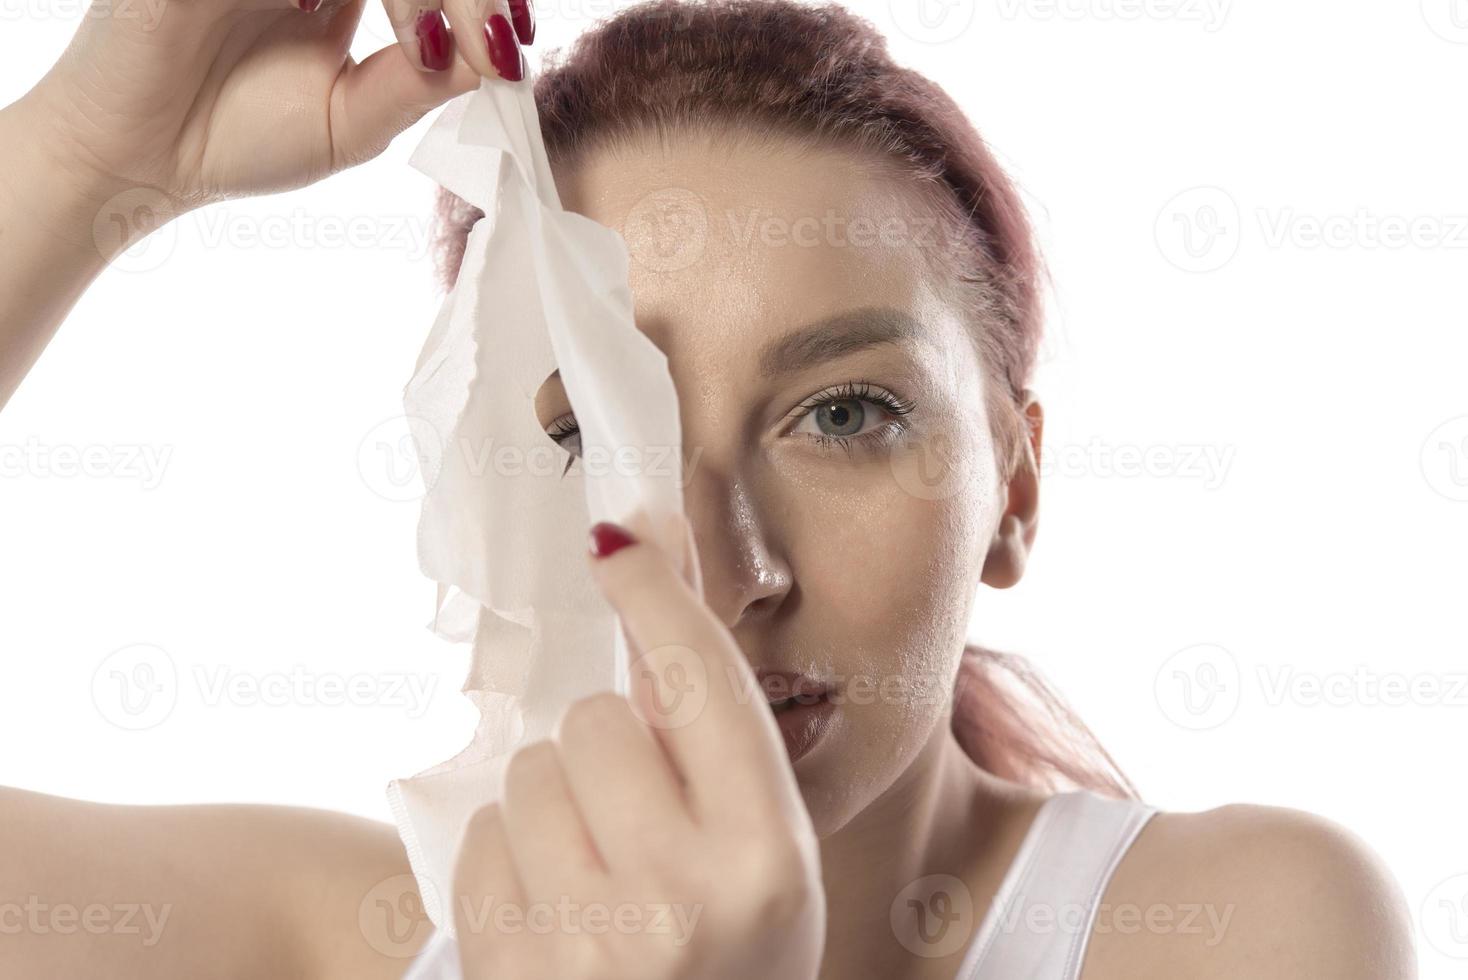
828,560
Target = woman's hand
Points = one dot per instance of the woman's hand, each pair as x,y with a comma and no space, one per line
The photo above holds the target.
656,837
209,99
161,106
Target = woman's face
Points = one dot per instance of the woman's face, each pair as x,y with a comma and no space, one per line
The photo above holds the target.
840,467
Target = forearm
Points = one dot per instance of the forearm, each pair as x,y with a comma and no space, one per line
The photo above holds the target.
51,243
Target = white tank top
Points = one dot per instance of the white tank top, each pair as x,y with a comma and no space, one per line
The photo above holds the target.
1040,921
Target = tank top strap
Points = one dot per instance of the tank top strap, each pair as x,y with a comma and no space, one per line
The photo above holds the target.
1041,918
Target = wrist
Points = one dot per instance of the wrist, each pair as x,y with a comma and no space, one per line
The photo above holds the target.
79,202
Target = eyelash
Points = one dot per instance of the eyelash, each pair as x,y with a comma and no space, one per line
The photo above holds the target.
861,391
565,427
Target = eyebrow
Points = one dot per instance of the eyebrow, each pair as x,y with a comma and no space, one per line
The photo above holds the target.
835,336
829,338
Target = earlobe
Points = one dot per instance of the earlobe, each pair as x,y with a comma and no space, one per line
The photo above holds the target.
1005,564
1013,538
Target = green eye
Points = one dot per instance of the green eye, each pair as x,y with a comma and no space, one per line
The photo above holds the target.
841,419
853,413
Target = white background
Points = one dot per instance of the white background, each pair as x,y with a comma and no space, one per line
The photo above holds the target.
1257,427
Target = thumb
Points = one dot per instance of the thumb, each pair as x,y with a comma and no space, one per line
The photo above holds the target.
376,100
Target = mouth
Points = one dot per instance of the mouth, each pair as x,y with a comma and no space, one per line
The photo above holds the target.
802,708
784,690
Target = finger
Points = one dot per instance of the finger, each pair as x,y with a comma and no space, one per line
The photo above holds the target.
384,95
690,683
554,852
422,33
486,37
522,18
623,782
484,878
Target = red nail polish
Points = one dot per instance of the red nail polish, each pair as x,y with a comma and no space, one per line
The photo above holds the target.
608,538
504,51
434,45
522,15
310,6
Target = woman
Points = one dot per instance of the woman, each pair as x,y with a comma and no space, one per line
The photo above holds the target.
851,314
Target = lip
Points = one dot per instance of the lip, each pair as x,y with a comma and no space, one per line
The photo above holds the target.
803,723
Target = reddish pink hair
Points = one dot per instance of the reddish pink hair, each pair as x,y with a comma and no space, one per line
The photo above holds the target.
821,74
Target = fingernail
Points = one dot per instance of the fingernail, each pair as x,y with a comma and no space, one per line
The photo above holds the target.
309,6
608,538
434,45
504,51
522,15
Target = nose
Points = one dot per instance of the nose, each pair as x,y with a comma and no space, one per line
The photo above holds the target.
744,575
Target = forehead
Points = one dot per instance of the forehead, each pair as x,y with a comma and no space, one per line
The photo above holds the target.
743,236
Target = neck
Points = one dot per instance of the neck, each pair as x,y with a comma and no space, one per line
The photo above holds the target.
936,819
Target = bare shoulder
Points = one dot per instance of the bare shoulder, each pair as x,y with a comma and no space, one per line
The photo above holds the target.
1257,891
242,890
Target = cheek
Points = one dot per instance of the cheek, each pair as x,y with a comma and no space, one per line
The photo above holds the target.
889,575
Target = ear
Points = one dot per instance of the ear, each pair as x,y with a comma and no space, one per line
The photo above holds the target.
1015,535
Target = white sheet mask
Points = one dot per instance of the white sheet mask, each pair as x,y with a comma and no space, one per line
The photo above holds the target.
502,532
